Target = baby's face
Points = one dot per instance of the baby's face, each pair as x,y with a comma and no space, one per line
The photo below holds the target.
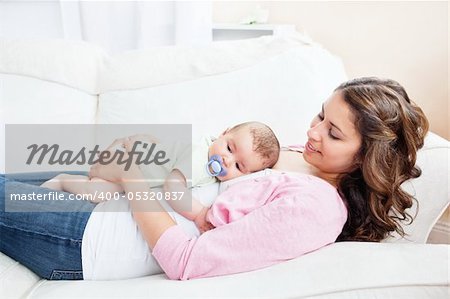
236,150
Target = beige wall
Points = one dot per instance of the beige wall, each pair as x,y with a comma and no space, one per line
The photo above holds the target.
405,41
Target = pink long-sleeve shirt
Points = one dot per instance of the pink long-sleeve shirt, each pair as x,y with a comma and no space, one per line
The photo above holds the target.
259,222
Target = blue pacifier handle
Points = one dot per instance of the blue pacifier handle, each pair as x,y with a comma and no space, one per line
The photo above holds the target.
215,167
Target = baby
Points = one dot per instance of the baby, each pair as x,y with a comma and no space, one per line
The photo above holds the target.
245,148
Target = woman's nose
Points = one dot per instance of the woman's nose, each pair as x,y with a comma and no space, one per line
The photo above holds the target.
314,133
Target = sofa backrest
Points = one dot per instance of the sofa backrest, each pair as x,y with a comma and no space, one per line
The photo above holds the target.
211,87
284,91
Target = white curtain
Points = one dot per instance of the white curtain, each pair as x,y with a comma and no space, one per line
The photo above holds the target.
116,26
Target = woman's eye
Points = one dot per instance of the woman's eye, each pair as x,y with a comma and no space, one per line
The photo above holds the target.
319,116
332,136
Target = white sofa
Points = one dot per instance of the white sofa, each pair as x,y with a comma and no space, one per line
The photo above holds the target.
278,81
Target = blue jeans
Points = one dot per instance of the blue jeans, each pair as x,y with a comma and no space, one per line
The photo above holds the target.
48,243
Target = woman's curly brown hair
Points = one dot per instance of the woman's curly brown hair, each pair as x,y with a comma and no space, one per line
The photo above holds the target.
392,128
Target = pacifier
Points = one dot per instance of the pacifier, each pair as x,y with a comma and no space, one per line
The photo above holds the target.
215,167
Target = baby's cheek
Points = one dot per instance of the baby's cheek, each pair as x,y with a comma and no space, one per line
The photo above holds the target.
229,176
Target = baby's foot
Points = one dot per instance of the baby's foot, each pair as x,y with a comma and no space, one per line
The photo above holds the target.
54,184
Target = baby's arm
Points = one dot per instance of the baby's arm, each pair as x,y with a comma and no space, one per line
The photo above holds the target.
80,184
176,182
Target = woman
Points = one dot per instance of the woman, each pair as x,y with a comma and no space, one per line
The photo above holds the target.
344,186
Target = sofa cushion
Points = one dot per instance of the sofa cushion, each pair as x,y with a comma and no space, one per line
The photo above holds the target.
15,279
167,65
284,91
28,100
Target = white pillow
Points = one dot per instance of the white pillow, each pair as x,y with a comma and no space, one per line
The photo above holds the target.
72,63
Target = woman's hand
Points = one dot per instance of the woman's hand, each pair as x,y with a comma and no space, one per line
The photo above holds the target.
118,143
127,142
113,171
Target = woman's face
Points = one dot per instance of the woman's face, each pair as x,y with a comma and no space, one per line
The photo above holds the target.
333,140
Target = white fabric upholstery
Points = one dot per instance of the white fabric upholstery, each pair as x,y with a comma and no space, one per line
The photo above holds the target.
279,81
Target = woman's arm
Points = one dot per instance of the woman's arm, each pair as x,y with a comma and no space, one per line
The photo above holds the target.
283,229
149,215
176,182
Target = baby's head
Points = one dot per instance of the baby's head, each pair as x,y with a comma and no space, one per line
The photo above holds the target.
246,148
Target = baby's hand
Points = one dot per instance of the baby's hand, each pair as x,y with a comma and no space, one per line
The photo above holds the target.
201,222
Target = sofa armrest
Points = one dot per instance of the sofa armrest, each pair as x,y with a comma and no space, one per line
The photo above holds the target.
431,190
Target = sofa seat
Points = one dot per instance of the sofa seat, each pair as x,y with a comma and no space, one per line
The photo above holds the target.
340,270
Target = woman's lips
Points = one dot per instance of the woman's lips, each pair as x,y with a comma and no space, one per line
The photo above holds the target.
309,147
